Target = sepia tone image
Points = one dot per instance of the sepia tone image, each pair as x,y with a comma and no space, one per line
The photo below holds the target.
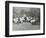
26,18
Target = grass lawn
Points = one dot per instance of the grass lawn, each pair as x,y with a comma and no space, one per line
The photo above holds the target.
25,26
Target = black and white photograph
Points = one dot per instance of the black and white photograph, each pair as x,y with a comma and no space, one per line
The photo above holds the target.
24,18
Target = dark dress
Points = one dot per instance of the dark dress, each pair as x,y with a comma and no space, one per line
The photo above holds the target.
19,21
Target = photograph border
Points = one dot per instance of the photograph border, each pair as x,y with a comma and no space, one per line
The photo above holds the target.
7,18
